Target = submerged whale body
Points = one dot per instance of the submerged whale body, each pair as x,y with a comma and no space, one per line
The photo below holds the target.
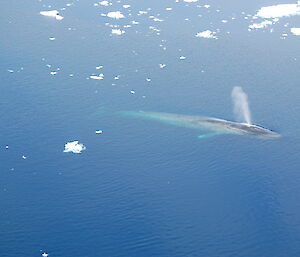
218,126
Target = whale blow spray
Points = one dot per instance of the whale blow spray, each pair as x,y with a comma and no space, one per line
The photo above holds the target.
241,105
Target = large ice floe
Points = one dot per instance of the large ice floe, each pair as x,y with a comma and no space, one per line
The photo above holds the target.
273,13
278,11
53,13
74,147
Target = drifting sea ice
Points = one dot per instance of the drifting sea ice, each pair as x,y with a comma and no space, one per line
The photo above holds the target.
295,31
74,147
115,15
280,10
97,77
53,13
118,32
261,25
206,34
105,3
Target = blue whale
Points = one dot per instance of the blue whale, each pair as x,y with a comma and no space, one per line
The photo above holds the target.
215,125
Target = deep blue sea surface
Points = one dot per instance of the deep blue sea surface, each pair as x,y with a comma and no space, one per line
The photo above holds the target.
144,188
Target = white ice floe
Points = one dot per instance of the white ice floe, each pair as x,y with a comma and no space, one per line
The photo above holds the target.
280,10
45,254
99,67
182,57
126,6
97,77
161,65
74,147
260,25
155,18
53,72
295,31
118,32
190,1
115,15
105,3
53,13
207,34
132,91
51,38
98,131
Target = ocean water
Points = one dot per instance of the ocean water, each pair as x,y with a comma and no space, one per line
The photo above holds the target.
143,188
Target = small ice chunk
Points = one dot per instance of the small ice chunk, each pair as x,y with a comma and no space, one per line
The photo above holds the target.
10,71
53,72
6,147
59,18
206,34
190,1
295,31
261,25
115,15
97,77
142,12
74,147
182,57
169,9
53,13
105,3
51,38
148,79
45,254
126,6
156,19
118,32
98,131
99,67
161,65
24,157
132,91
